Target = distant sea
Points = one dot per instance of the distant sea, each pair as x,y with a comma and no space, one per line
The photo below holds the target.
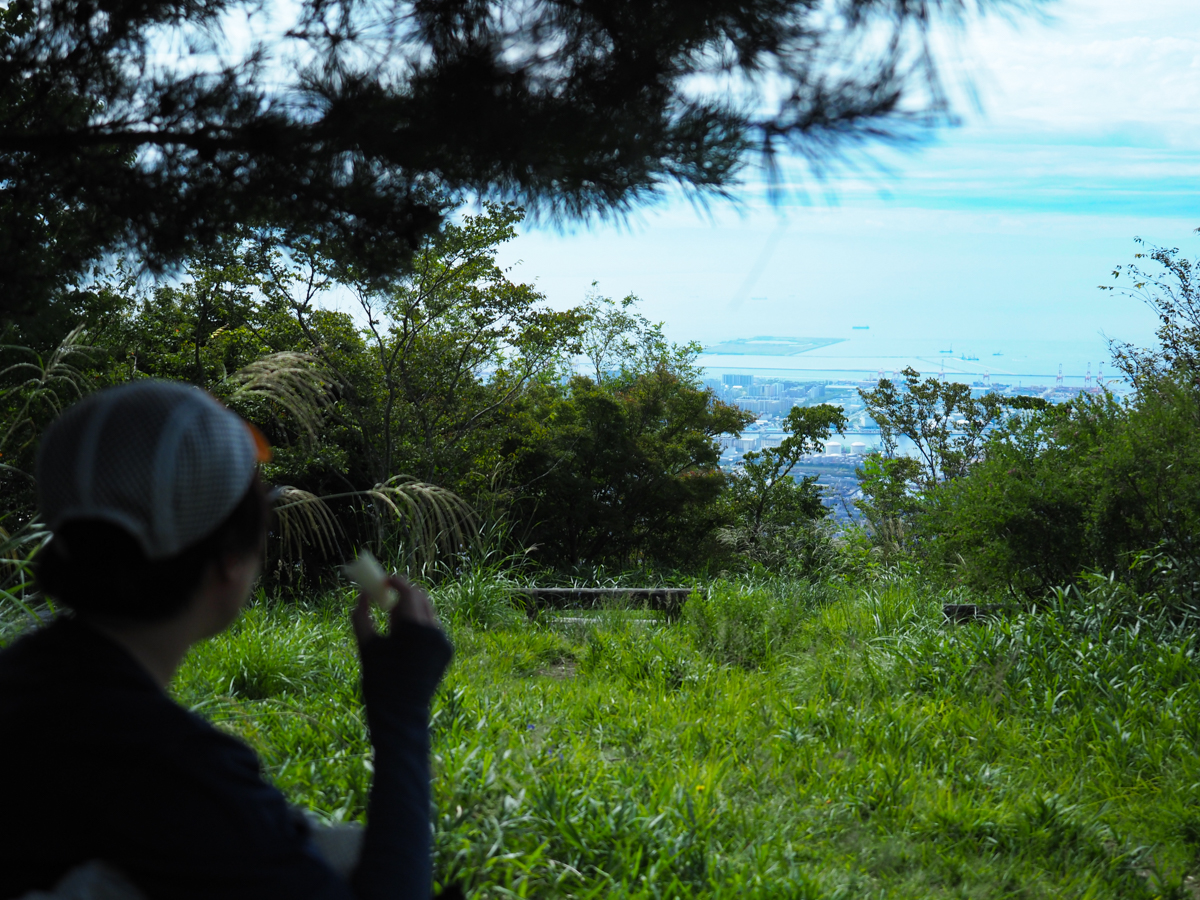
862,356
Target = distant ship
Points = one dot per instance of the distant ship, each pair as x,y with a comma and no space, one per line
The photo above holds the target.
997,354
964,356
860,327
951,350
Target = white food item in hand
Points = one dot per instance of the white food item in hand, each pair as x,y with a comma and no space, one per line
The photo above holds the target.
369,575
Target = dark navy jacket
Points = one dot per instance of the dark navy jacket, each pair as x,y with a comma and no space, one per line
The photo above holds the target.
99,763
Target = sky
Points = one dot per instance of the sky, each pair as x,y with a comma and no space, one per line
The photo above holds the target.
1085,133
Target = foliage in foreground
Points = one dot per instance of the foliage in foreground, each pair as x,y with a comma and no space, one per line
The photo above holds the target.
365,126
784,739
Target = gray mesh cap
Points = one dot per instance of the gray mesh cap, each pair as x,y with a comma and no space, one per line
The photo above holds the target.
164,460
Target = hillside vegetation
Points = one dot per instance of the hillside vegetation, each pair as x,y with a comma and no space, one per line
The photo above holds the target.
813,725
785,739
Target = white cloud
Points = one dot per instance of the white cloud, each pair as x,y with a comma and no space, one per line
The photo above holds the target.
1098,64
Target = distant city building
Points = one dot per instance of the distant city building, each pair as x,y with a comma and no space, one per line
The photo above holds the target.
763,407
737,380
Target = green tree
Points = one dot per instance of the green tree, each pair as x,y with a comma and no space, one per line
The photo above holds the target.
399,415
1018,521
448,348
889,497
772,519
1173,294
618,340
946,423
1095,484
417,384
766,494
623,471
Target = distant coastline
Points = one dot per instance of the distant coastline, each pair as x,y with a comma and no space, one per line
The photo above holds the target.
865,355
770,346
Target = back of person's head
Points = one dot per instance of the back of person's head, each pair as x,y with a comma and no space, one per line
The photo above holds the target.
143,487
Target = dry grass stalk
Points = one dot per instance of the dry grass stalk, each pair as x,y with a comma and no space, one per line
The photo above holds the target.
293,381
437,521
304,519
40,385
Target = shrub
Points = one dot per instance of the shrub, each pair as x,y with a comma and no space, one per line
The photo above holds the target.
1086,486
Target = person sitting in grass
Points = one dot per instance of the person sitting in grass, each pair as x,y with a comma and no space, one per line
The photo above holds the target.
159,518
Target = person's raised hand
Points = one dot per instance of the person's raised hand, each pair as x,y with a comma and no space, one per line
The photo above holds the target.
412,605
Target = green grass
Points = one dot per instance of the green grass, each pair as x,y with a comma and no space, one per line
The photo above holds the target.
783,740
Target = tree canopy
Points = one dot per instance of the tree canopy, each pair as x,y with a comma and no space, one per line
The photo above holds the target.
153,127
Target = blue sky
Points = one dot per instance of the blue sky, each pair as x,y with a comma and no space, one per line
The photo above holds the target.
1086,133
